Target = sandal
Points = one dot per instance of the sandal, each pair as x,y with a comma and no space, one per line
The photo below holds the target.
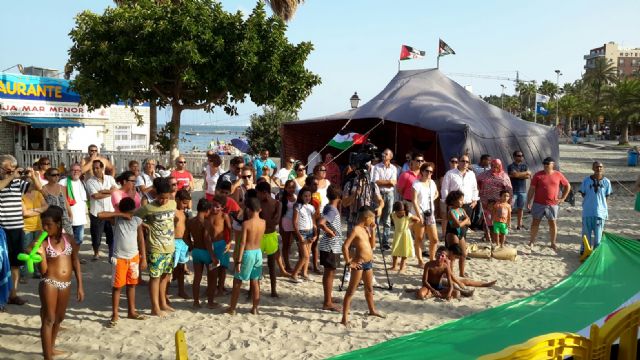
17,301
112,323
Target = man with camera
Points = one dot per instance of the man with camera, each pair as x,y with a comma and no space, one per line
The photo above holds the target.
359,192
384,175
12,187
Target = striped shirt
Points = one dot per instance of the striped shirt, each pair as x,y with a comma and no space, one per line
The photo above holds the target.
11,204
327,243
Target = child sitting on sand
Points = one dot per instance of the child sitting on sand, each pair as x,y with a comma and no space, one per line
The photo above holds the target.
181,254
248,263
59,259
437,278
330,244
402,246
363,240
159,215
129,257
457,224
501,216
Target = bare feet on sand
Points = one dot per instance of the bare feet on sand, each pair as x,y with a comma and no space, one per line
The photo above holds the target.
168,308
159,313
184,295
58,352
254,311
230,311
377,314
213,305
332,307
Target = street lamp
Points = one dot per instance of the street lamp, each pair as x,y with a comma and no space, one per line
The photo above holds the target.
502,97
355,100
558,74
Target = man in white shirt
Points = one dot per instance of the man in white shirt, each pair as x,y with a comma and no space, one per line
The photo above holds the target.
284,173
385,175
100,187
77,191
463,179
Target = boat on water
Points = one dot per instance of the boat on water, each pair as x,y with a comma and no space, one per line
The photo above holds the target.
192,133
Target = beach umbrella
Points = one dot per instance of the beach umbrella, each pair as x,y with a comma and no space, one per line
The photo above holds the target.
241,145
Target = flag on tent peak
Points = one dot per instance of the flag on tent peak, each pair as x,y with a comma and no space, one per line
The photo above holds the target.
444,49
345,141
408,53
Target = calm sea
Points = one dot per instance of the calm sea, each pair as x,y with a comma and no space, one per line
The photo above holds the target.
198,137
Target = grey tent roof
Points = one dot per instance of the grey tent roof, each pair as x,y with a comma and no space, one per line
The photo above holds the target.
463,121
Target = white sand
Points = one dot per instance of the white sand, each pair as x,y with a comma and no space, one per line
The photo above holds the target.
292,326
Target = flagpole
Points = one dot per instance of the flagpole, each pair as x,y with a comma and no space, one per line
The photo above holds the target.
438,63
535,110
398,65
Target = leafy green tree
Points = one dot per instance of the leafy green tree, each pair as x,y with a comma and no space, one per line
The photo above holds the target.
264,131
622,105
548,88
189,55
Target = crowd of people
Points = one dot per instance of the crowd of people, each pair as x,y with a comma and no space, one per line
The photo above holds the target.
150,223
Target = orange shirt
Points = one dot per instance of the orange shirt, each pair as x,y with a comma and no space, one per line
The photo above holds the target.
501,212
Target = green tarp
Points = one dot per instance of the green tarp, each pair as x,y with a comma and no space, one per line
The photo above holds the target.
606,280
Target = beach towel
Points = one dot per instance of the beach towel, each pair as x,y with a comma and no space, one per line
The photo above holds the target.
5,270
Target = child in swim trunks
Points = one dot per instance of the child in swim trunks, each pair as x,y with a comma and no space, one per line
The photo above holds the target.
363,240
204,259
501,215
437,278
248,263
219,232
129,256
59,259
457,225
330,244
181,254
159,215
271,210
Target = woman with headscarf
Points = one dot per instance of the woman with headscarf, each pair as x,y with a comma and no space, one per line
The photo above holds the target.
490,184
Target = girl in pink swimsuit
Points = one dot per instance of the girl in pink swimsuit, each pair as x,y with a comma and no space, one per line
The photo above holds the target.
59,258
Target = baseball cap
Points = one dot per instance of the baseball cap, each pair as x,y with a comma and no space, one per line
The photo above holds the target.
548,160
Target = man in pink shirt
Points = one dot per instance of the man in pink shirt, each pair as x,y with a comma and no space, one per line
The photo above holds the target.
182,175
407,178
543,199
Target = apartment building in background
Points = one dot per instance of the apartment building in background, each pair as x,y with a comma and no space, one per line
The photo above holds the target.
626,60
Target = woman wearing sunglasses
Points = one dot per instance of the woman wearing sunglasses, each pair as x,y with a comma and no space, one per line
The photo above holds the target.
56,195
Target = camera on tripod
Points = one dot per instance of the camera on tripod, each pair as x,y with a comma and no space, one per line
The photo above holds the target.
359,160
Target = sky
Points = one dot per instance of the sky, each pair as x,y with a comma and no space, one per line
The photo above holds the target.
357,42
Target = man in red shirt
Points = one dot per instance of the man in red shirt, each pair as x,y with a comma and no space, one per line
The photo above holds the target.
543,199
407,178
182,175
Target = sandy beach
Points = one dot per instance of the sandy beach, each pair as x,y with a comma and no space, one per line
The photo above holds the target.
293,326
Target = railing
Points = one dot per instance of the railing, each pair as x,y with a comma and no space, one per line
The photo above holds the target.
120,159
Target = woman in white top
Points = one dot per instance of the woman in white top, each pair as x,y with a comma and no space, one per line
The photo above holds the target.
320,173
283,174
144,181
425,191
211,174
301,177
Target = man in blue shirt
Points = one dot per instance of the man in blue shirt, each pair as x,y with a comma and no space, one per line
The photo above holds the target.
595,189
263,161
519,173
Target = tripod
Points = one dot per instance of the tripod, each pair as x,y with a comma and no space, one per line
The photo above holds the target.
365,190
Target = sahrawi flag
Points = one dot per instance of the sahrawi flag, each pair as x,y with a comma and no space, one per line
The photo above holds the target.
540,98
408,53
444,49
345,141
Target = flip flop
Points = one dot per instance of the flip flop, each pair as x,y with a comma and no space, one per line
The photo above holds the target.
17,301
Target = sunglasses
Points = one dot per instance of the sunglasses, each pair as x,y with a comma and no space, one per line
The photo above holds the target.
53,175
181,162
464,161
246,177
47,163
427,171
291,162
454,161
322,169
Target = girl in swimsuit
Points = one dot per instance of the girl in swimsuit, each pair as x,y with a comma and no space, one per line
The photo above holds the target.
59,258
457,225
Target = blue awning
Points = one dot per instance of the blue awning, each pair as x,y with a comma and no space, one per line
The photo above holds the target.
43,123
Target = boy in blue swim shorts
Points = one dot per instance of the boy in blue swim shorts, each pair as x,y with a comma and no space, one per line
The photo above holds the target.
202,253
219,231
181,253
248,263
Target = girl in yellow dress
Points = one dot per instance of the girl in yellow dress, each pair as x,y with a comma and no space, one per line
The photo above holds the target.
402,240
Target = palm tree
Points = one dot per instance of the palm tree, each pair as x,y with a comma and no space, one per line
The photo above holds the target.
569,106
602,73
622,104
548,88
284,9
